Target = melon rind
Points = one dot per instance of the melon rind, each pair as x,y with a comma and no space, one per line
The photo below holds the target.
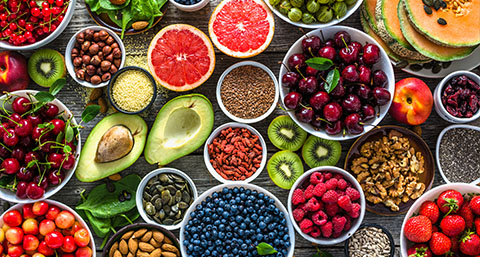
367,15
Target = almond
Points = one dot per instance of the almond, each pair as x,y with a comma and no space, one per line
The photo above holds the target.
117,254
146,237
146,247
123,247
113,249
169,248
156,253
155,243
167,241
139,25
96,93
158,236
168,254
130,254
140,233
103,105
142,254
132,245
128,234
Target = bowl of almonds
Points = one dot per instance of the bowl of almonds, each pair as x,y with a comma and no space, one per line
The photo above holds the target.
142,240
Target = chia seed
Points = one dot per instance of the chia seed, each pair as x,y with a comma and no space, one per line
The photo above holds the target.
460,155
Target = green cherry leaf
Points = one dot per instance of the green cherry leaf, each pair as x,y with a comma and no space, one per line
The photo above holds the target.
44,97
319,63
90,113
57,86
332,80
265,249
69,133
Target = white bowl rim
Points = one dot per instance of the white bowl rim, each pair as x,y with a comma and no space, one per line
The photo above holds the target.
206,156
143,183
438,94
67,18
50,191
190,8
316,25
390,85
358,221
430,194
69,61
437,150
278,203
62,206
240,64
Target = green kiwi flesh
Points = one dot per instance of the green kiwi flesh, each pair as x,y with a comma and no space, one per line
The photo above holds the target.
321,152
285,134
46,66
284,168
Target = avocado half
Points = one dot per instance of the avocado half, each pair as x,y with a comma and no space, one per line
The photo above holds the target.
182,125
89,168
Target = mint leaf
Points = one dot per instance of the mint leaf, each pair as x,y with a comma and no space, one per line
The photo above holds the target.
57,86
44,97
90,113
319,63
265,249
332,80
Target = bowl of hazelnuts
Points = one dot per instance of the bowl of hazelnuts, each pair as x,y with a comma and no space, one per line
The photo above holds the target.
94,55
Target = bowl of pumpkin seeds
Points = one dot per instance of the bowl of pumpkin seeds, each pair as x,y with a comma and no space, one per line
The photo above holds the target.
163,197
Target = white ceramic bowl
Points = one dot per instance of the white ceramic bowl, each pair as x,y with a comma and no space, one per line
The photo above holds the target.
66,20
206,156
190,8
355,224
384,64
218,188
437,98
10,196
69,61
19,207
432,194
437,150
141,188
315,25
219,87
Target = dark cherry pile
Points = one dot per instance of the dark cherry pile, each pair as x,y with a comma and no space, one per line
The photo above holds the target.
461,97
359,90
34,153
25,22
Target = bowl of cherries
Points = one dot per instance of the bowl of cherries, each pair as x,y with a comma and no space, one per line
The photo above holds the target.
337,83
39,146
29,24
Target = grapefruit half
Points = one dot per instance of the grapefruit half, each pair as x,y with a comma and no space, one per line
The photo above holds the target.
241,28
181,57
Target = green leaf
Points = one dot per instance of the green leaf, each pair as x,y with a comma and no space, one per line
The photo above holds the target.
265,249
90,113
69,133
31,163
67,149
120,221
319,63
321,253
7,179
44,97
60,136
101,226
57,86
332,80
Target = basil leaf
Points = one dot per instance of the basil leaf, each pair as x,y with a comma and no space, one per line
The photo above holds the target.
265,249
319,63
332,80
57,86
90,113
44,97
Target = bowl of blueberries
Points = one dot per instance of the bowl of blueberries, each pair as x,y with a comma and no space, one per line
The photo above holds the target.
233,219
189,5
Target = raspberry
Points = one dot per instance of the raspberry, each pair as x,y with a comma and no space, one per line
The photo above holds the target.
319,218
338,176
352,193
298,197
306,226
340,192
316,233
342,184
298,214
348,224
330,197
338,224
331,209
301,206
355,211
313,205
327,176
345,203
327,229
336,234
316,178
309,192
319,190
331,184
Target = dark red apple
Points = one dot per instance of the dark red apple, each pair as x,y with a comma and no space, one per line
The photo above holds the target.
13,71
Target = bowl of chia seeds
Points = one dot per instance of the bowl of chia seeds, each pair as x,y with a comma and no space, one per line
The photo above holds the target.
247,92
163,197
458,154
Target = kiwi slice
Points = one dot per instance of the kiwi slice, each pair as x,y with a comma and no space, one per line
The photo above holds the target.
284,168
285,134
45,66
321,152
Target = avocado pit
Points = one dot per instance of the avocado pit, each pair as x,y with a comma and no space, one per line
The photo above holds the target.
116,143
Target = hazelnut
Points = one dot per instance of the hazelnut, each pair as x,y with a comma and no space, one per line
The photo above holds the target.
105,65
103,35
107,50
95,60
77,61
101,55
99,71
117,53
87,77
80,37
110,40
75,51
86,59
101,44
106,77
77,45
91,70
81,53
93,49
117,62
86,45
113,69
89,34
96,37
80,74
114,45
109,58
96,80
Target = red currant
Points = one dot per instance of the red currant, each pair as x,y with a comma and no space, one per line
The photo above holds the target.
35,11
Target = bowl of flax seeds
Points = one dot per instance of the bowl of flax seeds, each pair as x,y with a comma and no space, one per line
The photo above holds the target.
247,92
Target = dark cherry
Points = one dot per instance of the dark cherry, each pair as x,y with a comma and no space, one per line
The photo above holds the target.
292,100
37,132
290,79
25,142
350,73
43,184
22,190
349,54
4,152
50,110
311,44
10,166
48,147
14,119
327,52
368,112
351,103
311,71
59,126
381,95
296,61
317,122
357,46
308,85
31,156
68,161
24,128
56,177
379,78
371,54
330,42
318,100
19,154
364,74
339,90
332,112
55,160
10,138
334,128
352,124
21,105
339,43
25,174
34,191
35,120
305,115
364,92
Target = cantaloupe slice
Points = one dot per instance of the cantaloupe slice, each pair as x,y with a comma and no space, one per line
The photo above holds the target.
427,47
460,30
368,13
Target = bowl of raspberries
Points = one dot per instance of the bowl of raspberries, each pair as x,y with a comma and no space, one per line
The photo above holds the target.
444,221
326,205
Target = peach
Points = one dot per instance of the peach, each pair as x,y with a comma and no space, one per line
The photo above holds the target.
13,72
412,103
30,226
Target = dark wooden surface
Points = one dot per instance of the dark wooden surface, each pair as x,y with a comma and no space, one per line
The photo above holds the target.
285,34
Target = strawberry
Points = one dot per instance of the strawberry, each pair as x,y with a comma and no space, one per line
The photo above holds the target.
467,214
430,209
450,201
475,205
470,243
455,244
477,225
418,229
452,225
440,244
419,250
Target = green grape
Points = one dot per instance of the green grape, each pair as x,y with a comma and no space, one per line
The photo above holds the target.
274,2
323,1
295,14
313,6
296,3
340,9
308,18
284,7
324,15
350,2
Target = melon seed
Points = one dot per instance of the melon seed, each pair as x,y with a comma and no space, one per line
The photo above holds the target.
441,21
436,5
427,9
428,2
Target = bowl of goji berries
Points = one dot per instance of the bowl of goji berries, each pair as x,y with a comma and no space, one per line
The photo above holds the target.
235,152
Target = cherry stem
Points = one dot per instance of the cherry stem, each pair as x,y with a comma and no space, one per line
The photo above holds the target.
324,120
6,130
346,46
306,107
299,72
323,37
303,32
286,67
8,149
16,123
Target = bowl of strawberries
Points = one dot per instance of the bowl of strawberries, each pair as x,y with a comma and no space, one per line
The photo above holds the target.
445,220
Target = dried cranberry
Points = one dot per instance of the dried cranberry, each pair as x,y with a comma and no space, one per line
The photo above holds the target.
451,110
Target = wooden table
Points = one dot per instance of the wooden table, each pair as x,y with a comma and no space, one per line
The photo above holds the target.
285,35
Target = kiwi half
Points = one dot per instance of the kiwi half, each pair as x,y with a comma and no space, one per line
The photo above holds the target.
284,168
321,152
285,134
46,66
